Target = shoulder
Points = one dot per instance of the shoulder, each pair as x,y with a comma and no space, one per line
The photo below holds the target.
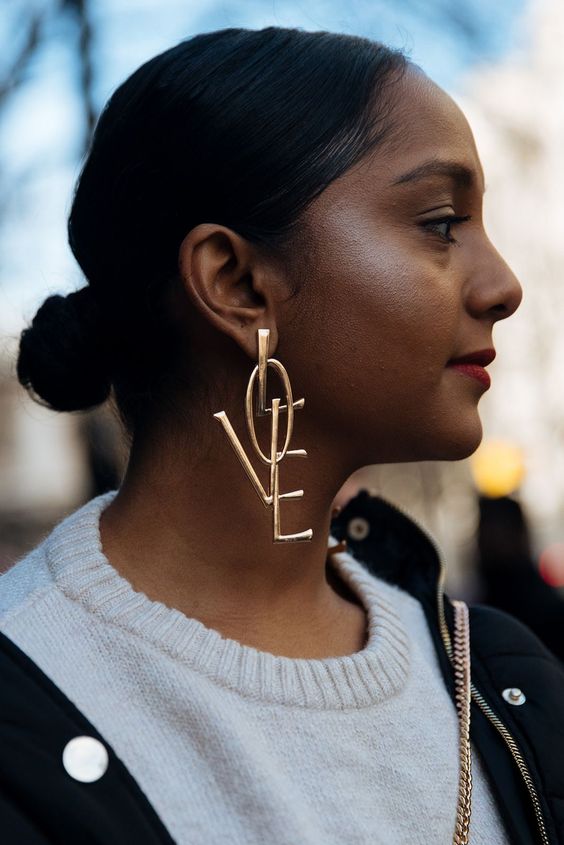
506,654
496,633
62,550
26,579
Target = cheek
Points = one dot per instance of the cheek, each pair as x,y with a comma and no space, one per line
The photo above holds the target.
393,319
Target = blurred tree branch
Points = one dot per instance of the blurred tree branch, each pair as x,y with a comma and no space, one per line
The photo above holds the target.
14,75
80,10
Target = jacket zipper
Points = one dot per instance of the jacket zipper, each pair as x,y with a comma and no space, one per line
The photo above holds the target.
476,694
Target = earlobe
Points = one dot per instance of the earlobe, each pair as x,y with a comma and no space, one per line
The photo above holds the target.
220,275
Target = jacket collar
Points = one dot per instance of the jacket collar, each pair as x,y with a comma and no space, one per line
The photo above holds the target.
391,544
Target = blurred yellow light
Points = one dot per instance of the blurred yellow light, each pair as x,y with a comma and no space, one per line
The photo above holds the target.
498,468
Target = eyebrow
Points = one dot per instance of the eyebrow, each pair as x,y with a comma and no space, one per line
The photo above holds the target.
459,173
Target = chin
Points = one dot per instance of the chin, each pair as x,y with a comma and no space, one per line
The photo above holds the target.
454,440
460,444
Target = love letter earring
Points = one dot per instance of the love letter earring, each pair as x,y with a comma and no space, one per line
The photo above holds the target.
272,497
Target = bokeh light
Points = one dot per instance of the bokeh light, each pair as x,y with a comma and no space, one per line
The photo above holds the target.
498,468
551,565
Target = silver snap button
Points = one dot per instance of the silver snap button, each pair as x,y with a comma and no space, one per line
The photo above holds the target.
514,695
85,758
358,528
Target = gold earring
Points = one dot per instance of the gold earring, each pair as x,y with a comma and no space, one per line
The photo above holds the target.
272,497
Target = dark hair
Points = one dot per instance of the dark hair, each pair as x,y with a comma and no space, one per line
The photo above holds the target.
239,127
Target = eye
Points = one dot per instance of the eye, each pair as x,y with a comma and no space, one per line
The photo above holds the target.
442,226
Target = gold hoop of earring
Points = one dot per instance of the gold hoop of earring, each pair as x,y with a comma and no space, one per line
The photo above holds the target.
272,496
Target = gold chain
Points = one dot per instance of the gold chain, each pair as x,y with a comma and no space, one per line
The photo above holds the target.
461,662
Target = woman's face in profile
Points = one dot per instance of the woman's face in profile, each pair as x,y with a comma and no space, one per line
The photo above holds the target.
395,290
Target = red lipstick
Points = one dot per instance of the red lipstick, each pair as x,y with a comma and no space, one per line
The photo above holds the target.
473,365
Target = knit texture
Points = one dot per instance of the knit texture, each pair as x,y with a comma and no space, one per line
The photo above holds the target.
241,747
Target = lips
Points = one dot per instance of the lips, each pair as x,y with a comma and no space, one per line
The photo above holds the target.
483,357
473,365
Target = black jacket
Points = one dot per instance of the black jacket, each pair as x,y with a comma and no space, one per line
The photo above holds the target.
522,746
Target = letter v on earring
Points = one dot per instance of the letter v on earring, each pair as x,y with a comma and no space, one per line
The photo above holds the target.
272,497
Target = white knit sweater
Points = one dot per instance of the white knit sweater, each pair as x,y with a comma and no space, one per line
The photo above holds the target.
234,746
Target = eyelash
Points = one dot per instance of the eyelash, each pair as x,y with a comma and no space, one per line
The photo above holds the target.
451,221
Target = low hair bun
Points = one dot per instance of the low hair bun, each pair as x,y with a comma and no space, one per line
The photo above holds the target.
63,355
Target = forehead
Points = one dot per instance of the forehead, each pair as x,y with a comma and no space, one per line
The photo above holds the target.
429,138
427,125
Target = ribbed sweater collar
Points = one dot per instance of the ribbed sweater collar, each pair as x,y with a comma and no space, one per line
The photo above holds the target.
84,574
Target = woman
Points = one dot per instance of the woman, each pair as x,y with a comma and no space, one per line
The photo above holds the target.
306,209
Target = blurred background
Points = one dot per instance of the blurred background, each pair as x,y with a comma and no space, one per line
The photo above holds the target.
499,515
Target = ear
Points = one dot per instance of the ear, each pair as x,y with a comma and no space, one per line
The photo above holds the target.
225,280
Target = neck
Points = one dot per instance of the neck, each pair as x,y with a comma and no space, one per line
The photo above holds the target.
195,535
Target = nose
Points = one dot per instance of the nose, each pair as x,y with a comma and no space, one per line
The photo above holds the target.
496,291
